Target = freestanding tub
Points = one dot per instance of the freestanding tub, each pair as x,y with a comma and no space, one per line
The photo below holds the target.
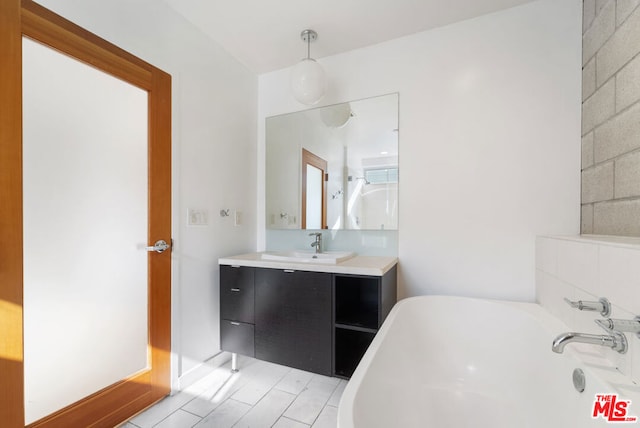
440,362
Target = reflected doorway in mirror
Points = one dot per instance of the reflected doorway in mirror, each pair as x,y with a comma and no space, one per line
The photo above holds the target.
314,191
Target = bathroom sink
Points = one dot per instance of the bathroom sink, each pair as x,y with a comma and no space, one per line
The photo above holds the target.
300,256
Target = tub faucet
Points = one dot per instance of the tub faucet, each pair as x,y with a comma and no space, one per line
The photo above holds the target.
602,305
318,242
612,324
613,340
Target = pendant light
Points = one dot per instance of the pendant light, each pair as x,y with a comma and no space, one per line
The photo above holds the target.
308,80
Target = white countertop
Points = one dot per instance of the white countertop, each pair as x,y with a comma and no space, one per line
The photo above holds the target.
358,265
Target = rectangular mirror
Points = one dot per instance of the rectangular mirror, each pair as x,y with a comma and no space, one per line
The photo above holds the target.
334,167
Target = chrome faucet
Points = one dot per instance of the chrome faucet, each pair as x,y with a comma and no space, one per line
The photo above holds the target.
629,326
614,340
318,242
602,305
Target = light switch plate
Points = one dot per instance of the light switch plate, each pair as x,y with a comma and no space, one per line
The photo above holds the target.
197,217
238,218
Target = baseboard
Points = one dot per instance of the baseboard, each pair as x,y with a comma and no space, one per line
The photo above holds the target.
200,371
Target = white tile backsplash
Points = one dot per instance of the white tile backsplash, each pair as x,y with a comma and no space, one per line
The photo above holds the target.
620,276
584,321
547,254
548,289
578,264
587,268
362,242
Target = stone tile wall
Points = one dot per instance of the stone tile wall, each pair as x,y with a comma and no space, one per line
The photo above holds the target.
611,117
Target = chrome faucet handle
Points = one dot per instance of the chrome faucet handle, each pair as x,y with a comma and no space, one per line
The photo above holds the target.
602,305
317,243
630,326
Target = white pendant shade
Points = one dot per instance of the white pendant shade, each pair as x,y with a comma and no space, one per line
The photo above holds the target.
308,81
336,116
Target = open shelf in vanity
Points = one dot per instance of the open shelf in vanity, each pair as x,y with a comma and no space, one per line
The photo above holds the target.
361,303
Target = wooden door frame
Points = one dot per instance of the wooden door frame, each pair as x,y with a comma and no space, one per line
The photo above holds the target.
309,158
125,398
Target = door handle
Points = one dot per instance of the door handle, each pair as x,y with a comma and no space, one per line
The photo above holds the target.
159,247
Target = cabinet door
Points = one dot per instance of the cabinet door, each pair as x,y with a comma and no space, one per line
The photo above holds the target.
293,319
237,337
237,293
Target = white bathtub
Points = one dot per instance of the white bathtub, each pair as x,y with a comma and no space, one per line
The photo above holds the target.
460,362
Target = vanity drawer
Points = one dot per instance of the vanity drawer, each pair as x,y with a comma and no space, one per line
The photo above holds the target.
237,293
237,337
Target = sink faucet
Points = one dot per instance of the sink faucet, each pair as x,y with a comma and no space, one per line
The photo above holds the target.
318,242
614,340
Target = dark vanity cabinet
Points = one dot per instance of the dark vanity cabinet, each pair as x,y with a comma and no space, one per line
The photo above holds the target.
237,321
293,319
314,321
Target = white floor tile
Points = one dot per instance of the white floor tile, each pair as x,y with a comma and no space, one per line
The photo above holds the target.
267,411
213,380
325,379
271,373
261,395
252,393
225,415
328,418
289,423
263,382
337,394
294,382
179,419
309,403
153,415
219,392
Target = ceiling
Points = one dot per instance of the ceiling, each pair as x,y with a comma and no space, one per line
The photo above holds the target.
264,35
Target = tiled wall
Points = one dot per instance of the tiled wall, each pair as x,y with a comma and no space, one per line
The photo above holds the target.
587,268
611,117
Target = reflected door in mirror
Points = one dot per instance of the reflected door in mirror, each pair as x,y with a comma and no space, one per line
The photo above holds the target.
314,201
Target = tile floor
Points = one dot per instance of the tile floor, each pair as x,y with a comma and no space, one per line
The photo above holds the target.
260,395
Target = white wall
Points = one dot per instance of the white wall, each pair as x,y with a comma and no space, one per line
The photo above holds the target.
489,142
214,152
